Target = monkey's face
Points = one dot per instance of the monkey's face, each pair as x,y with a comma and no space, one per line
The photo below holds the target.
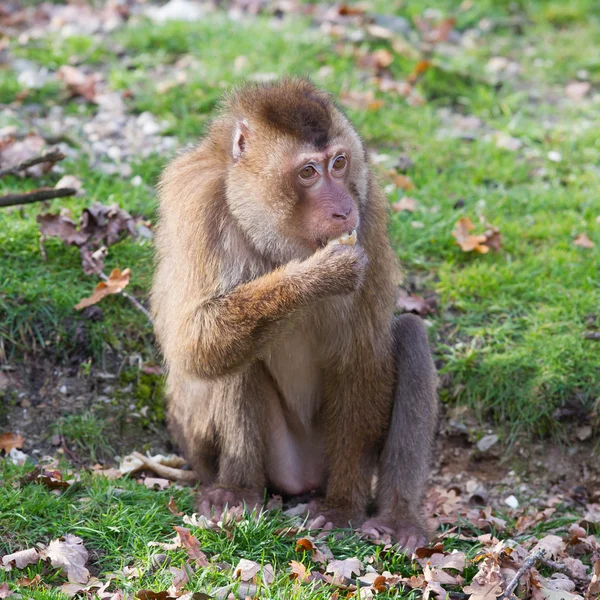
290,197
325,208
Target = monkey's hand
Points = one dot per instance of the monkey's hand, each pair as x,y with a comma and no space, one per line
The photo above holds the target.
408,534
337,269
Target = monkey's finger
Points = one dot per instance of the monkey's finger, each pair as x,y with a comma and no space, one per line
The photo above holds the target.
409,544
317,523
325,530
206,509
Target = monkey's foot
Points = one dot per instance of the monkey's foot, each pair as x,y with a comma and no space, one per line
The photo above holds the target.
326,519
406,534
212,501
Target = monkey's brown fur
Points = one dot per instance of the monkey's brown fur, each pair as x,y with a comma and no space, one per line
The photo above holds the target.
286,368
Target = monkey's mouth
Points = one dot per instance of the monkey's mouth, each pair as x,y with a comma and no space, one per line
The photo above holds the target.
346,239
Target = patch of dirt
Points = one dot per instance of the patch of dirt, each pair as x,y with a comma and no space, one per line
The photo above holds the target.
35,397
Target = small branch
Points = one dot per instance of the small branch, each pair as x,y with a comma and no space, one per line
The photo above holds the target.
528,563
592,335
36,196
560,568
165,471
53,156
133,301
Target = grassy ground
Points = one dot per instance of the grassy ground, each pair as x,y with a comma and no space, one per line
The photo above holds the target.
509,332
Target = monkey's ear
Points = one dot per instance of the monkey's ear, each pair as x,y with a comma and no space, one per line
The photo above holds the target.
240,140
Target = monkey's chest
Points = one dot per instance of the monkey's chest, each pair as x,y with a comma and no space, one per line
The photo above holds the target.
292,362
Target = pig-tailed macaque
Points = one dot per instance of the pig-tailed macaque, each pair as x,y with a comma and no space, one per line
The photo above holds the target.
274,297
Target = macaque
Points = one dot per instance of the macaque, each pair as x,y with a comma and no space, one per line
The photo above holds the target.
273,299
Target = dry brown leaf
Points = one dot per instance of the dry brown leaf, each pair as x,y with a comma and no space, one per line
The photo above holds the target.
29,582
414,303
78,82
583,241
361,100
268,574
117,282
552,544
68,553
10,440
299,572
172,506
153,483
488,583
462,235
403,182
192,546
318,555
405,203
344,568
378,60
593,590
246,570
62,226
49,478
4,591
181,577
14,152
21,558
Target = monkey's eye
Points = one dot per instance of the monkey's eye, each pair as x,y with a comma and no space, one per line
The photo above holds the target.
308,172
339,164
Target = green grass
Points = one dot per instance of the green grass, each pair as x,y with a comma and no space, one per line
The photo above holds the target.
116,519
509,333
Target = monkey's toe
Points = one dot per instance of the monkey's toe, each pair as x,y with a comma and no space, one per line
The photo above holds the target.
409,536
212,502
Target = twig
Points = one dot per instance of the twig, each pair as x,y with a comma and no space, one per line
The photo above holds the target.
36,196
592,335
555,566
165,471
528,563
53,156
133,300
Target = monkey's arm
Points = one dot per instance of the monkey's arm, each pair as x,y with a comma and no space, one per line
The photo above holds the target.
227,331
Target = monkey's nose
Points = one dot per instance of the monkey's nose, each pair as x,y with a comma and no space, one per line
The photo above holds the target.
341,215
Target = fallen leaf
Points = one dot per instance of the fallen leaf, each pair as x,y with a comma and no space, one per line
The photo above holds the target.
465,240
403,182
51,479
62,226
150,595
70,181
583,241
344,568
268,574
552,545
487,583
4,591
29,582
10,440
299,572
246,570
181,577
405,203
413,303
378,60
360,100
14,152
78,83
172,506
21,558
318,555
68,553
192,546
593,590
116,283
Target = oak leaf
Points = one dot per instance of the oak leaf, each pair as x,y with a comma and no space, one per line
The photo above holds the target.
21,558
468,243
299,572
192,546
69,554
116,283
344,568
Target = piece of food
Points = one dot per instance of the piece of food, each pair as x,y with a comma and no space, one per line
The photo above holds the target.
348,239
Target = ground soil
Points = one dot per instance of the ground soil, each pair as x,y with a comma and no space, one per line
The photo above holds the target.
35,396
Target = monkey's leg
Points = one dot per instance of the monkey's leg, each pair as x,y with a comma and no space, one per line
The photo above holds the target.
404,461
357,409
222,424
